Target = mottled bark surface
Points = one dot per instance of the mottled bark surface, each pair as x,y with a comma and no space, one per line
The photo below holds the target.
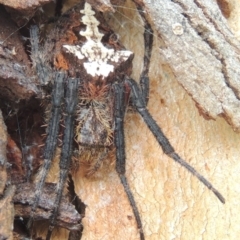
16,80
202,52
193,46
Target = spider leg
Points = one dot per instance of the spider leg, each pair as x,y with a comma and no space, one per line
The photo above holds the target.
138,102
148,43
120,151
38,57
65,160
51,142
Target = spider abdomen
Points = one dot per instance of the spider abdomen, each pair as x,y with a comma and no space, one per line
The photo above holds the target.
94,121
94,127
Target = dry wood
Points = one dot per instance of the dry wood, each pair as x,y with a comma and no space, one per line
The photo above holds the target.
194,47
68,218
16,82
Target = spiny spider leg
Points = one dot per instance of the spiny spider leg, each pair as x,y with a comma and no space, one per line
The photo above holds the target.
52,136
65,160
167,148
148,43
119,113
39,61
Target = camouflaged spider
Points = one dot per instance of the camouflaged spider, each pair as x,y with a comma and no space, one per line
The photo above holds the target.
95,68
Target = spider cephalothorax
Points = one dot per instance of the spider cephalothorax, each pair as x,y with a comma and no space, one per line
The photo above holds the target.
95,68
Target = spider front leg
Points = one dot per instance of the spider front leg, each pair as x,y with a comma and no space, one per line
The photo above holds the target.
52,136
167,148
139,97
120,109
65,160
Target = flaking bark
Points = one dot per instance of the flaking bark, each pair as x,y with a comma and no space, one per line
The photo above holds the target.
202,53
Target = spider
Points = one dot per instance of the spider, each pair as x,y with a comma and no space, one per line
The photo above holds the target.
94,68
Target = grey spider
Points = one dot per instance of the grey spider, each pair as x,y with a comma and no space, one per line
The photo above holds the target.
88,58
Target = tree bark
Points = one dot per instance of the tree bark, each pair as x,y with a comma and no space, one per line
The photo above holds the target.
202,52
194,47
